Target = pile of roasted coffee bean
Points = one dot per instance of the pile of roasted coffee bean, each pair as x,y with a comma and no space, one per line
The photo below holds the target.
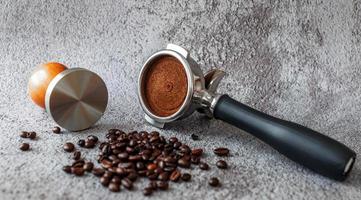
125,157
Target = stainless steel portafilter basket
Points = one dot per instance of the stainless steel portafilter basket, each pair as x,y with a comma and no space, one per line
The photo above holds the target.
307,147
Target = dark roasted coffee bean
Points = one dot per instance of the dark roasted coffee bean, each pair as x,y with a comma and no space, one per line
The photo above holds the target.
104,180
142,172
93,138
67,169
31,135
135,158
162,185
68,147
132,176
158,170
77,171
114,187
177,145
153,185
186,177
214,182
151,166
175,176
106,163
127,183
123,155
152,176
221,151
173,140
78,163
197,152
161,164
116,180
169,169
203,166
120,171
81,143
56,129
24,134
24,147
147,191
170,159
183,162
194,137
185,149
76,155
140,166
221,164
164,176
88,166
108,174
98,171
89,144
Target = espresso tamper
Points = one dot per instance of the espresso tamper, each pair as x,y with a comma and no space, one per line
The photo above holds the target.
156,83
75,98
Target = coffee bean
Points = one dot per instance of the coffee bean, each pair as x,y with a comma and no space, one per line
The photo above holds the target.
151,166
153,185
127,183
76,155
104,180
67,169
162,185
186,177
89,144
81,143
32,135
132,176
221,164
24,134
106,164
164,176
116,180
78,163
195,160
68,147
56,130
194,137
221,151
203,166
175,176
147,191
24,147
183,162
88,166
173,140
214,182
123,155
93,138
98,171
114,187
197,152
77,171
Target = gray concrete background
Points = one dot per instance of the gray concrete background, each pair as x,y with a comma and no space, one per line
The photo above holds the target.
298,60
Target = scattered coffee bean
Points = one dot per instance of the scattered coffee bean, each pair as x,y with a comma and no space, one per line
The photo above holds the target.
81,143
197,152
88,166
104,180
98,171
147,191
214,182
93,138
24,147
24,134
221,164
221,151
203,166
175,176
183,162
67,169
32,135
56,130
194,137
127,183
162,185
69,147
77,171
186,177
76,155
114,187
89,144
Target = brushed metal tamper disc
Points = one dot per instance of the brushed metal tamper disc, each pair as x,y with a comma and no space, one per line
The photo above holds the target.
76,99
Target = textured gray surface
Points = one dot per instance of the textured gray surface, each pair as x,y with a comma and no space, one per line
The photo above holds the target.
298,60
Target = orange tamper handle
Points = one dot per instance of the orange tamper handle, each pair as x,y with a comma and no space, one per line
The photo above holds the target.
40,80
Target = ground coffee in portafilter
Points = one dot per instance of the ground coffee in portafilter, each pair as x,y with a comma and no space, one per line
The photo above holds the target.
165,86
125,157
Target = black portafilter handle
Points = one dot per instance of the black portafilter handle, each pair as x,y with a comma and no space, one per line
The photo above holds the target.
307,147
